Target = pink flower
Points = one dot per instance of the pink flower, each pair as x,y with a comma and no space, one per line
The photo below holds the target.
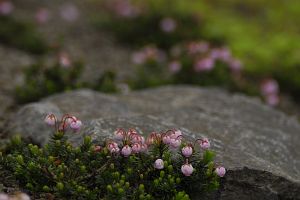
235,65
168,25
70,119
269,86
174,66
138,58
166,139
205,64
220,171
97,148
119,134
136,138
175,143
42,15
124,8
144,148
76,125
187,169
204,144
4,196
64,60
152,138
113,147
159,164
69,12
187,151
197,47
272,99
136,148
126,151
177,134
50,119
6,7
222,54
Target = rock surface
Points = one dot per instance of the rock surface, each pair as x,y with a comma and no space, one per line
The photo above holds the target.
246,134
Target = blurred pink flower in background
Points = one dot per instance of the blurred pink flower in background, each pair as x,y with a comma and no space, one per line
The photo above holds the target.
64,60
168,25
269,86
6,7
69,12
204,64
138,57
272,100
197,47
124,8
235,65
270,91
42,15
222,54
148,53
174,66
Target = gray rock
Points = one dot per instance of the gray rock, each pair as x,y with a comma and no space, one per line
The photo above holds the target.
246,134
31,117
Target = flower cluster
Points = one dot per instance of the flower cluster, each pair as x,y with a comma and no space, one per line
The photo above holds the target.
134,143
127,166
6,7
270,91
67,121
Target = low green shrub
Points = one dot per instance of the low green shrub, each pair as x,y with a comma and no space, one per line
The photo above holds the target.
21,35
164,166
64,75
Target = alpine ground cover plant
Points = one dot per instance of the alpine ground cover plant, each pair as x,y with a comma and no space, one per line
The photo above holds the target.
237,24
199,63
164,165
18,33
42,80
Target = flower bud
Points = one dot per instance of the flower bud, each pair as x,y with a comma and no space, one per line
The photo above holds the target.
187,169
76,125
50,119
60,186
137,139
204,143
119,134
144,148
175,143
159,164
136,148
220,171
113,147
126,151
166,139
97,148
187,151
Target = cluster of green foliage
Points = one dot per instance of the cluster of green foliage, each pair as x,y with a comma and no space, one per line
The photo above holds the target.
153,72
21,35
60,170
42,81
